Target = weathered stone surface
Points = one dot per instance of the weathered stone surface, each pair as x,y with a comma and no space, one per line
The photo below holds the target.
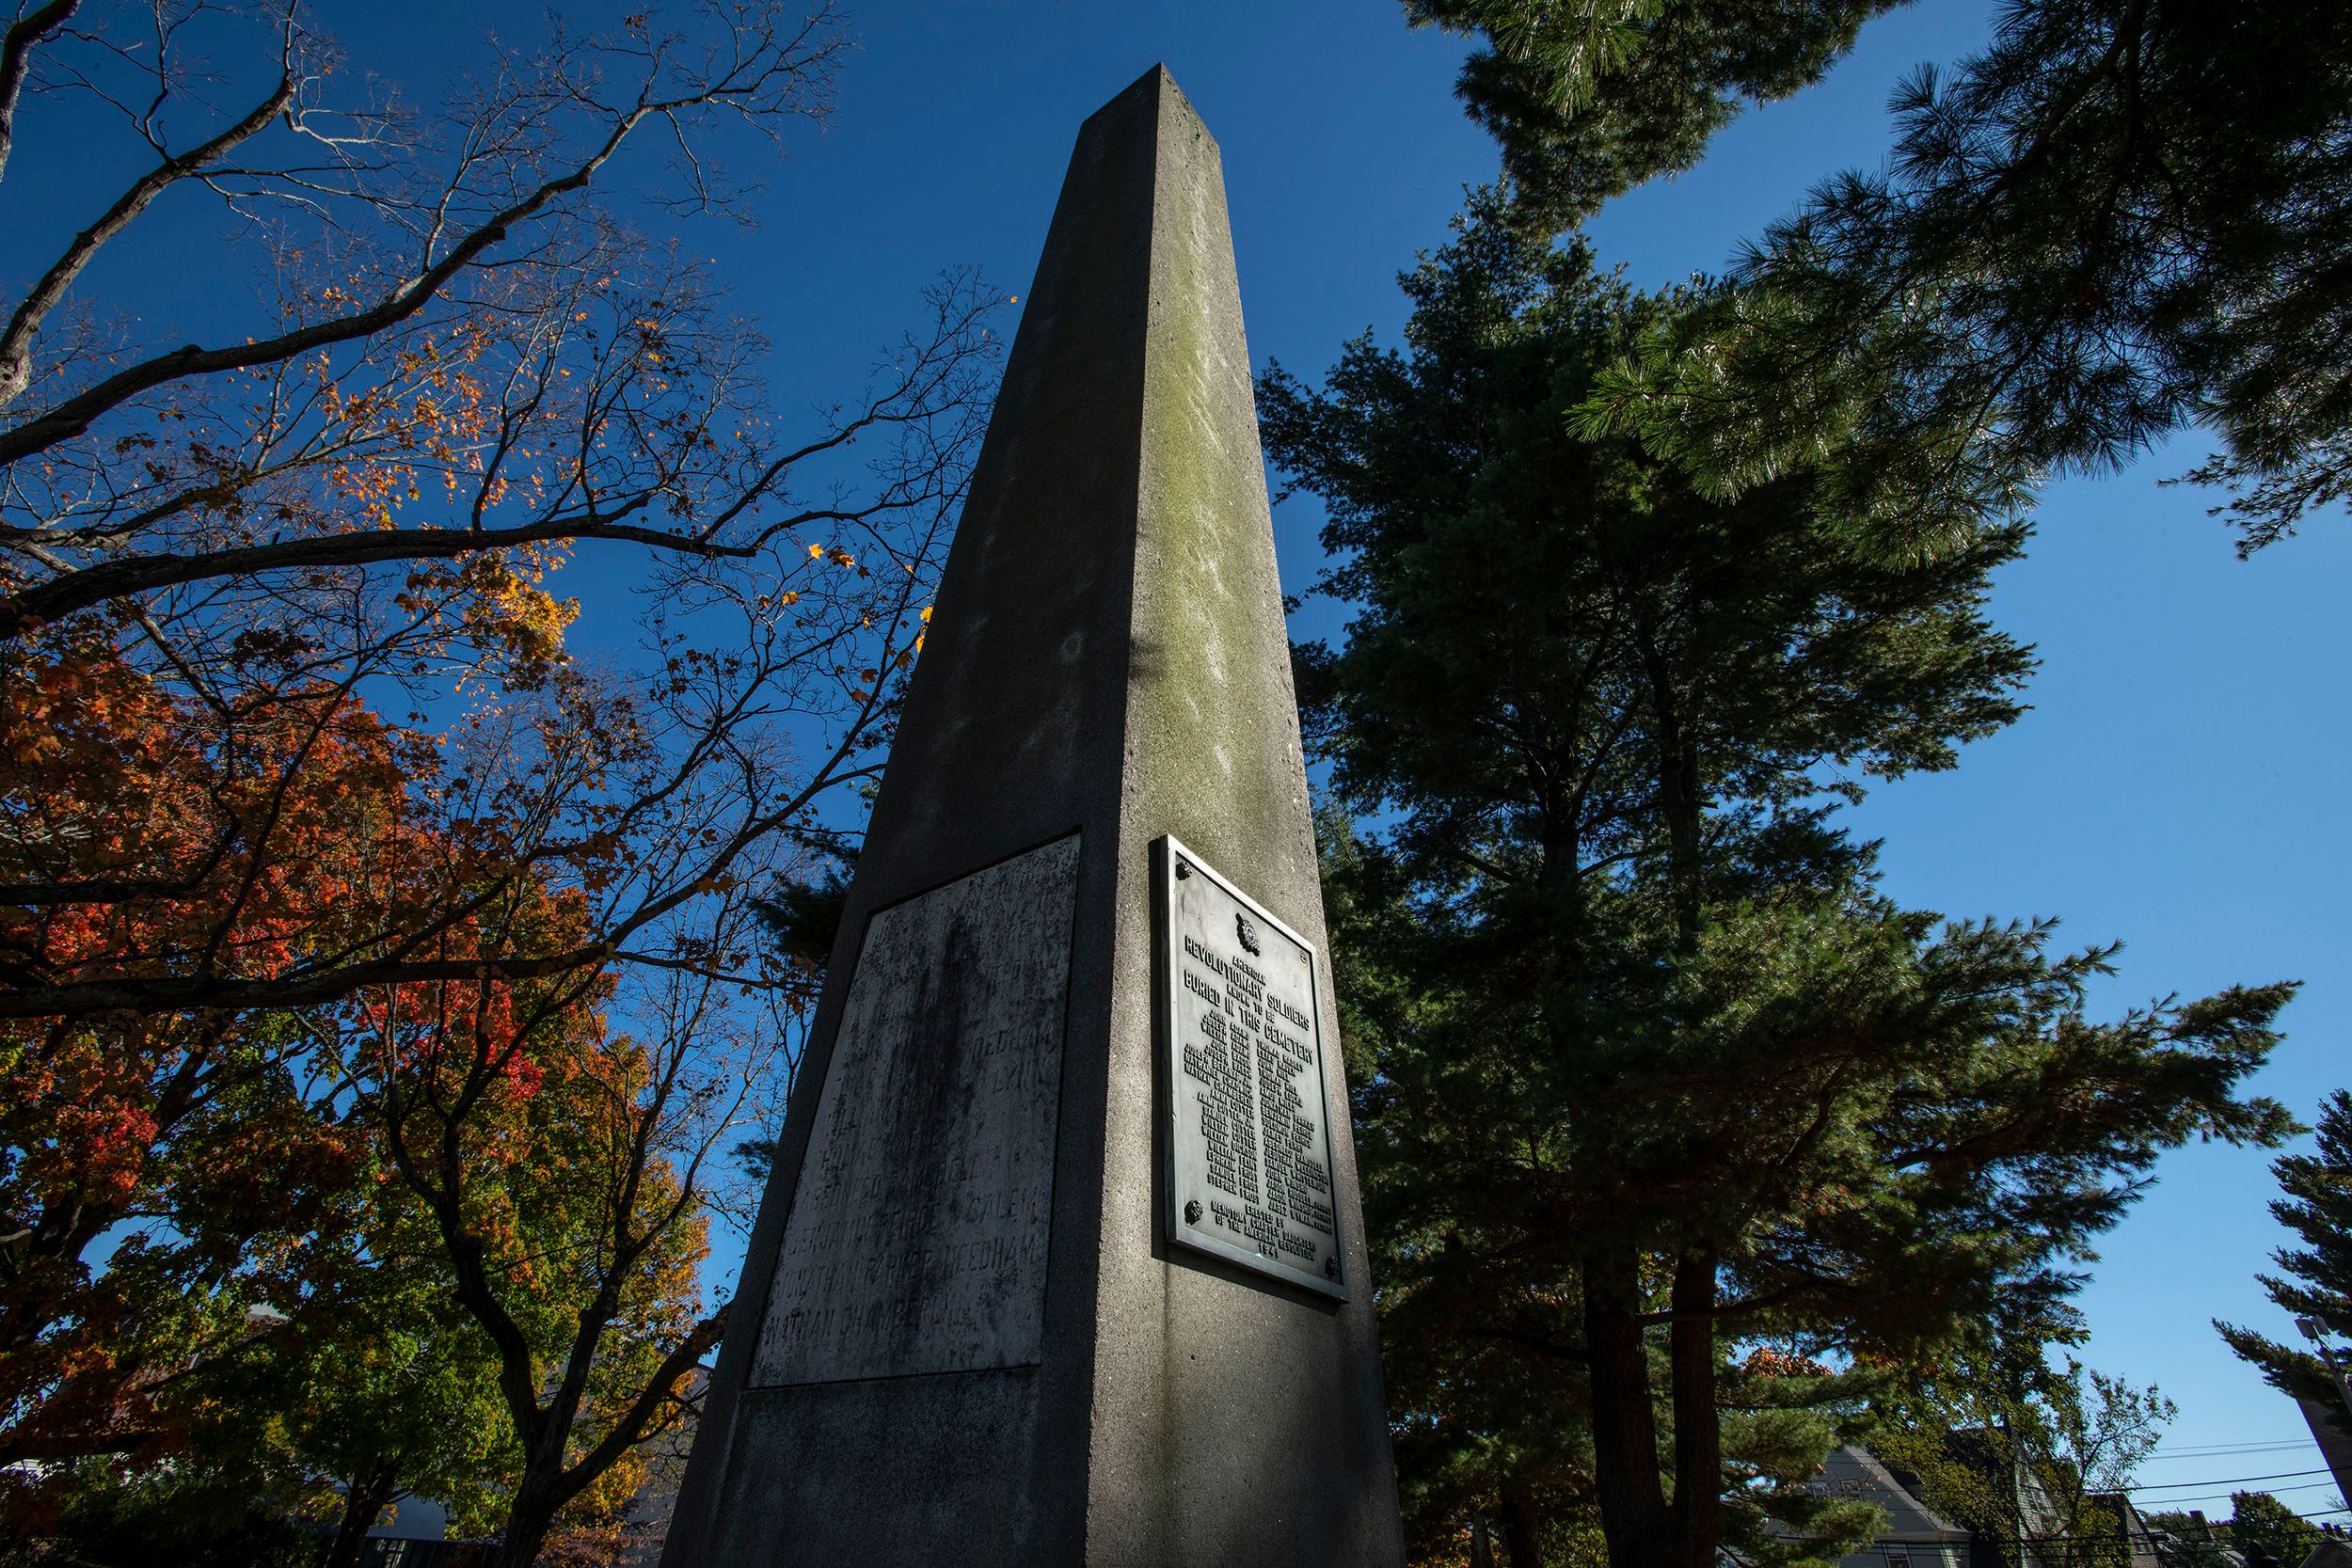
892,1471
917,1241
1108,660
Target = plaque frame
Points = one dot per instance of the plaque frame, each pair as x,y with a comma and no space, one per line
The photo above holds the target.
1169,853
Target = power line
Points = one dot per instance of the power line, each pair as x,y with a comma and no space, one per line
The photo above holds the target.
2107,1537
2224,1496
2224,1481
2231,1524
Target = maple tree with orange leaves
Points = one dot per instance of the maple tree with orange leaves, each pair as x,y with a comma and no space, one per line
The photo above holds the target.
332,864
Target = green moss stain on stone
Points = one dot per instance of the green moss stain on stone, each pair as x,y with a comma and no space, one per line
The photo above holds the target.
1212,728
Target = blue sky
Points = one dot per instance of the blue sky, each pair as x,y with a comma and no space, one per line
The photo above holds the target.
2176,786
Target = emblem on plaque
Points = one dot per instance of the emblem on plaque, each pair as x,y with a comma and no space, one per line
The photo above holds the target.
1249,935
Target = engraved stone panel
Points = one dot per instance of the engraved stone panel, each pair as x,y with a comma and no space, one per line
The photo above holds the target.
917,1237
1250,1131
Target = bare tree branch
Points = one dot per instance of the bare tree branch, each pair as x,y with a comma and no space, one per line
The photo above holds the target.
16,58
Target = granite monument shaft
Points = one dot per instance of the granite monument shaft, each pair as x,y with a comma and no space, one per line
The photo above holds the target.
1062,1261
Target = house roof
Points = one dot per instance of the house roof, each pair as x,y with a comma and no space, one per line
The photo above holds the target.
1852,1472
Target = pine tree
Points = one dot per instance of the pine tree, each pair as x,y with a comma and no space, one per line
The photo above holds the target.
1590,98
2314,1278
2124,218
1654,1078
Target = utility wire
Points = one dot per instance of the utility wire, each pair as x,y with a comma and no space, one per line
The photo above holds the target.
2107,1537
2231,1524
2224,1496
2224,1481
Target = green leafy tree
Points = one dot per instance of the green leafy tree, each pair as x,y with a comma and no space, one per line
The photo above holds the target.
118,1516
2259,1521
214,1204
2315,1276
1653,1073
316,1376
495,1303
568,1172
2015,1449
381,1385
374,1387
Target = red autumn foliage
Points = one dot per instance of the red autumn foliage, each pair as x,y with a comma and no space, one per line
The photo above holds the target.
143,839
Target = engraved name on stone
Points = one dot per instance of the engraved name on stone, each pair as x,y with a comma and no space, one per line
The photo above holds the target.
1249,1130
917,1237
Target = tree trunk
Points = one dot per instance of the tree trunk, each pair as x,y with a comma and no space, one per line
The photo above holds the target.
1680,803
1698,1423
1625,1430
529,1518
538,1496
364,1497
1519,1535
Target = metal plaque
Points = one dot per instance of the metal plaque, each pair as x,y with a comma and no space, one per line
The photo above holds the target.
1250,1177
917,1237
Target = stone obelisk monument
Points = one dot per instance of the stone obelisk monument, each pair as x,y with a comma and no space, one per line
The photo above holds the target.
1061,1262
